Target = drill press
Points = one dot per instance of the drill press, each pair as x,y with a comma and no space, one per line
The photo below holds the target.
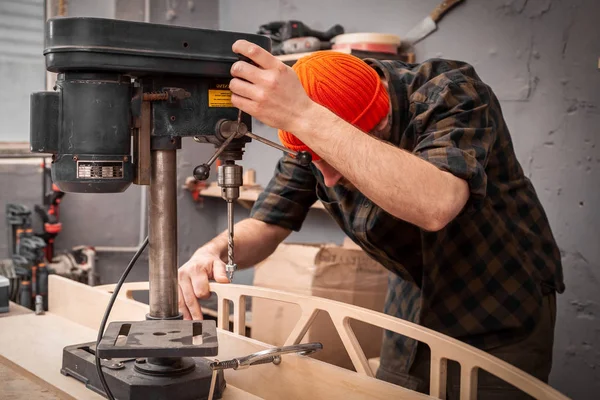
125,95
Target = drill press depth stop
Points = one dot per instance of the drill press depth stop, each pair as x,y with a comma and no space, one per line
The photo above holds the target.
125,95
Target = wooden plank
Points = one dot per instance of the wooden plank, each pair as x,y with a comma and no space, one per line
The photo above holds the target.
17,384
299,377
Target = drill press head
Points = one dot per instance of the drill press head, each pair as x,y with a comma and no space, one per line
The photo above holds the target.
106,70
125,95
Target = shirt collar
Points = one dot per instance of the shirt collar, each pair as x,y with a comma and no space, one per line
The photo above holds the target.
398,98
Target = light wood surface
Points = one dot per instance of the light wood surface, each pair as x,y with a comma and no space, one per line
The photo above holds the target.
18,384
442,347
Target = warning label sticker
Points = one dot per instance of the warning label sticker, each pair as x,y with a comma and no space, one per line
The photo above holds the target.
219,98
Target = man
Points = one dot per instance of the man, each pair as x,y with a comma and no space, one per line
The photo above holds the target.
416,165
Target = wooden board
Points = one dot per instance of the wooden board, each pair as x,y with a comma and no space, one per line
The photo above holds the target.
17,384
300,377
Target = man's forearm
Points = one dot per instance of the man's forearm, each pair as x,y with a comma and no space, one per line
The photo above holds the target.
399,182
254,241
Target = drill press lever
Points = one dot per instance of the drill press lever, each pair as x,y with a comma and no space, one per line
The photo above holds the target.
230,175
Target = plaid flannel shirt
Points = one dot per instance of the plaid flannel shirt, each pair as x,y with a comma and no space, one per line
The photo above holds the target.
481,279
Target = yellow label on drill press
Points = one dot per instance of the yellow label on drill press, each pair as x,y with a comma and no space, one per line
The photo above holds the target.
219,98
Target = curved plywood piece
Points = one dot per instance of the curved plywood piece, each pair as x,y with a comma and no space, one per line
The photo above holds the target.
442,347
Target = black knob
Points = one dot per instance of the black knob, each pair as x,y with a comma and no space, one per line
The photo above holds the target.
202,172
304,157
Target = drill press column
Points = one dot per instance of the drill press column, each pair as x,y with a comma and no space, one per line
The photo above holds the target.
163,235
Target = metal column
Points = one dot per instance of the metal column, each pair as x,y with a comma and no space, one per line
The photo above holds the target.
163,235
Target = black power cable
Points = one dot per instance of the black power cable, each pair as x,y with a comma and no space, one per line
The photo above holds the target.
109,307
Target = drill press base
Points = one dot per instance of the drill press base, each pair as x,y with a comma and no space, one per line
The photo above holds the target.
127,383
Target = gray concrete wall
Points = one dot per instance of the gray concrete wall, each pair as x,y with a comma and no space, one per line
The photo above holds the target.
541,57
21,64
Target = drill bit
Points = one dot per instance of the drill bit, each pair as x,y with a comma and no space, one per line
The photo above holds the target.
230,267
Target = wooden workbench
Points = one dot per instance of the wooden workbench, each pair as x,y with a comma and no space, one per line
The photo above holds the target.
17,384
34,343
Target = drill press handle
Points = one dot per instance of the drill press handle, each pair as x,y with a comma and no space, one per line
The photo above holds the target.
237,129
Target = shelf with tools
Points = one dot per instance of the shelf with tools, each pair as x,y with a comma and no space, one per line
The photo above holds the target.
248,195
249,192
363,45
290,59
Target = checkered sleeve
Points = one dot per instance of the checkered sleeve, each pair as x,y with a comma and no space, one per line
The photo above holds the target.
288,196
456,132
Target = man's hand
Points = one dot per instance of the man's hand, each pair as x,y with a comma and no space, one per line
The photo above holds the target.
193,282
270,90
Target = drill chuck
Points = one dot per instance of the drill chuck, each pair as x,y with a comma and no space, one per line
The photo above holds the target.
230,178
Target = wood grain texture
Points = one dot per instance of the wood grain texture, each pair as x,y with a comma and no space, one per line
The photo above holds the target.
17,384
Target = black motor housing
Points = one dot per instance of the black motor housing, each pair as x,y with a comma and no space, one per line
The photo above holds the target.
86,124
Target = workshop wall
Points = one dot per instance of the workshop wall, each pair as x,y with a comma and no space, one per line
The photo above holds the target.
541,58
21,64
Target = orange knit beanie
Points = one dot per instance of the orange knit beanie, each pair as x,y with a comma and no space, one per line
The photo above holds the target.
344,84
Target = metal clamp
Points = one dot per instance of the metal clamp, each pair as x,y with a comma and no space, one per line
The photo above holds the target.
266,356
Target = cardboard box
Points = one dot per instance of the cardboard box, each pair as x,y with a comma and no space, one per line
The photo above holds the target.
342,273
